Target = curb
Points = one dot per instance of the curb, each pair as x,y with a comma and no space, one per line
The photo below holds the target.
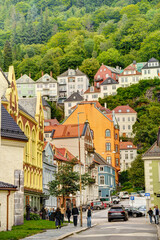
158,232
72,233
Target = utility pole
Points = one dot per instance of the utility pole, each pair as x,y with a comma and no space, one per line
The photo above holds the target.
80,180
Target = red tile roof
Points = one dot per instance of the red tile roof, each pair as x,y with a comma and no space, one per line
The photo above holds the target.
65,131
52,122
96,90
130,68
124,109
127,145
63,151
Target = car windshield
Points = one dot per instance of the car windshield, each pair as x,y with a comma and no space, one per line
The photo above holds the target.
104,199
117,209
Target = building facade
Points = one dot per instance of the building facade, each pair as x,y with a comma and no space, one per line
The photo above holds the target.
126,118
92,94
71,102
104,128
25,86
151,69
128,153
105,72
49,170
72,81
109,87
129,76
48,87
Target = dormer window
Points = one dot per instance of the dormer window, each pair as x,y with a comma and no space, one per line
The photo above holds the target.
119,110
109,81
91,89
128,110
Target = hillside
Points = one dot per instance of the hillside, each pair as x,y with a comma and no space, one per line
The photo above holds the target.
143,98
53,35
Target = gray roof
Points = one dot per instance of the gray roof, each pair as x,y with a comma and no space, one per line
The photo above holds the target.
7,185
75,97
114,70
108,81
153,60
150,60
3,98
77,73
153,151
5,76
45,103
25,79
100,159
29,104
48,77
10,129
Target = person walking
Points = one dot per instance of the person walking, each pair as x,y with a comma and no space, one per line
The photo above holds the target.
75,214
157,215
68,213
62,212
28,210
43,213
58,218
150,213
154,213
89,214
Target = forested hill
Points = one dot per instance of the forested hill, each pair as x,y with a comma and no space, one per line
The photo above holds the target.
52,35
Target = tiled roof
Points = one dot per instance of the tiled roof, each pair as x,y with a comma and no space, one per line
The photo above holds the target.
150,60
4,185
109,81
5,76
25,79
105,110
70,156
77,73
153,151
48,77
153,60
95,90
127,145
124,109
24,110
9,128
114,70
29,104
65,131
75,97
52,122
45,103
98,105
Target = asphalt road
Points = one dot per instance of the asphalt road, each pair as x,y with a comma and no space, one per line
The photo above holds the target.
133,229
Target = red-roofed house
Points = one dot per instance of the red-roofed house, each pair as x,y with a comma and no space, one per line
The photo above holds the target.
129,76
128,153
51,122
92,93
126,118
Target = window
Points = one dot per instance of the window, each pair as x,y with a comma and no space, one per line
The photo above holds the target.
105,94
101,180
101,169
69,111
119,110
116,148
108,147
118,119
127,166
114,87
145,72
69,104
126,79
148,71
129,127
126,156
122,80
128,119
108,160
105,88
131,156
116,136
123,119
95,96
117,162
108,133
132,118
123,127
128,110
107,75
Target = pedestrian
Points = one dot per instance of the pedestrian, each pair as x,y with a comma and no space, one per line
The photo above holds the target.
28,210
89,214
154,213
62,212
43,213
75,214
58,217
68,213
157,215
150,213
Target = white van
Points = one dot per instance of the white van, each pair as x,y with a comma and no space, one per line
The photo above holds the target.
124,195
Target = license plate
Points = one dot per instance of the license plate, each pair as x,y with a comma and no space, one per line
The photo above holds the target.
116,213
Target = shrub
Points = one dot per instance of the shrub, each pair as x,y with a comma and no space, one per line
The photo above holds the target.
33,216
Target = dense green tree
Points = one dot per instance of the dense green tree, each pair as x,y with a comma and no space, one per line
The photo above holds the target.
28,65
7,56
136,172
90,66
111,57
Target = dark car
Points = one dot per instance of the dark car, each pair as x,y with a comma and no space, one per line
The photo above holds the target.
117,212
133,212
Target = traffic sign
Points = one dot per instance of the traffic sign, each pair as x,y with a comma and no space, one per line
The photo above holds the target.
147,195
132,198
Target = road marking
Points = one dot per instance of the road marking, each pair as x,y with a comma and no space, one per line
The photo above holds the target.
144,234
123,227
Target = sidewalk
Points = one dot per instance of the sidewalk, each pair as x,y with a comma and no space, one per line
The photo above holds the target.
57,234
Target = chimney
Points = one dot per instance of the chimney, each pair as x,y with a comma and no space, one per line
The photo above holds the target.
51,73
117,67
42,73
30,75
105,105
134,62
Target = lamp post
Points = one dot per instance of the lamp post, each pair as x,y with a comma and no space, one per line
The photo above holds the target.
80,180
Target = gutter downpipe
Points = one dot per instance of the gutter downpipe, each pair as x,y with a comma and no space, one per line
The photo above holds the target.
9,192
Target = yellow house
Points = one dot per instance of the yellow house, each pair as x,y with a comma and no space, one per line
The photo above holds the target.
28,114
104,128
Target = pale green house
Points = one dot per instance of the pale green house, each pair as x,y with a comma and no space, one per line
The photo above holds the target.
152,173
25,87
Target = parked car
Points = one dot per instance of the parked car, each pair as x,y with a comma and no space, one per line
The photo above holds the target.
124,195
107,200
115,199
135,194
97,205
141,193
84,207
142,209
117,212
133,212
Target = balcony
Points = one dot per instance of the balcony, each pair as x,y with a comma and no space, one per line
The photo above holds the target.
90,149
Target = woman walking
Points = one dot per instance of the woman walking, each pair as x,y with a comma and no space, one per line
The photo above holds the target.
58,217
68,213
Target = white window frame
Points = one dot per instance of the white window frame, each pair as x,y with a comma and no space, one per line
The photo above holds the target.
101,176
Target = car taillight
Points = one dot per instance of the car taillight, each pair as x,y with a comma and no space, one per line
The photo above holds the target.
122,211
109,212
111,201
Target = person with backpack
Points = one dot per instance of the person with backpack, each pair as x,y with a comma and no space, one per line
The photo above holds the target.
157,215
89,214
150,213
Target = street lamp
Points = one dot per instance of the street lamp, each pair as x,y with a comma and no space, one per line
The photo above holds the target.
80,180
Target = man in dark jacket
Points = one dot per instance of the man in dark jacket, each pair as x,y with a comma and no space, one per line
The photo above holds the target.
89,217
75,214
58,217
150,213
68,213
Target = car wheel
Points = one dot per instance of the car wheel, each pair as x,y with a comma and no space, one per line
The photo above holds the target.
134,215
98,208
109,220
125,219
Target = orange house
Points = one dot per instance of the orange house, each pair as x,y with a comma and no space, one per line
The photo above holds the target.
105,130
